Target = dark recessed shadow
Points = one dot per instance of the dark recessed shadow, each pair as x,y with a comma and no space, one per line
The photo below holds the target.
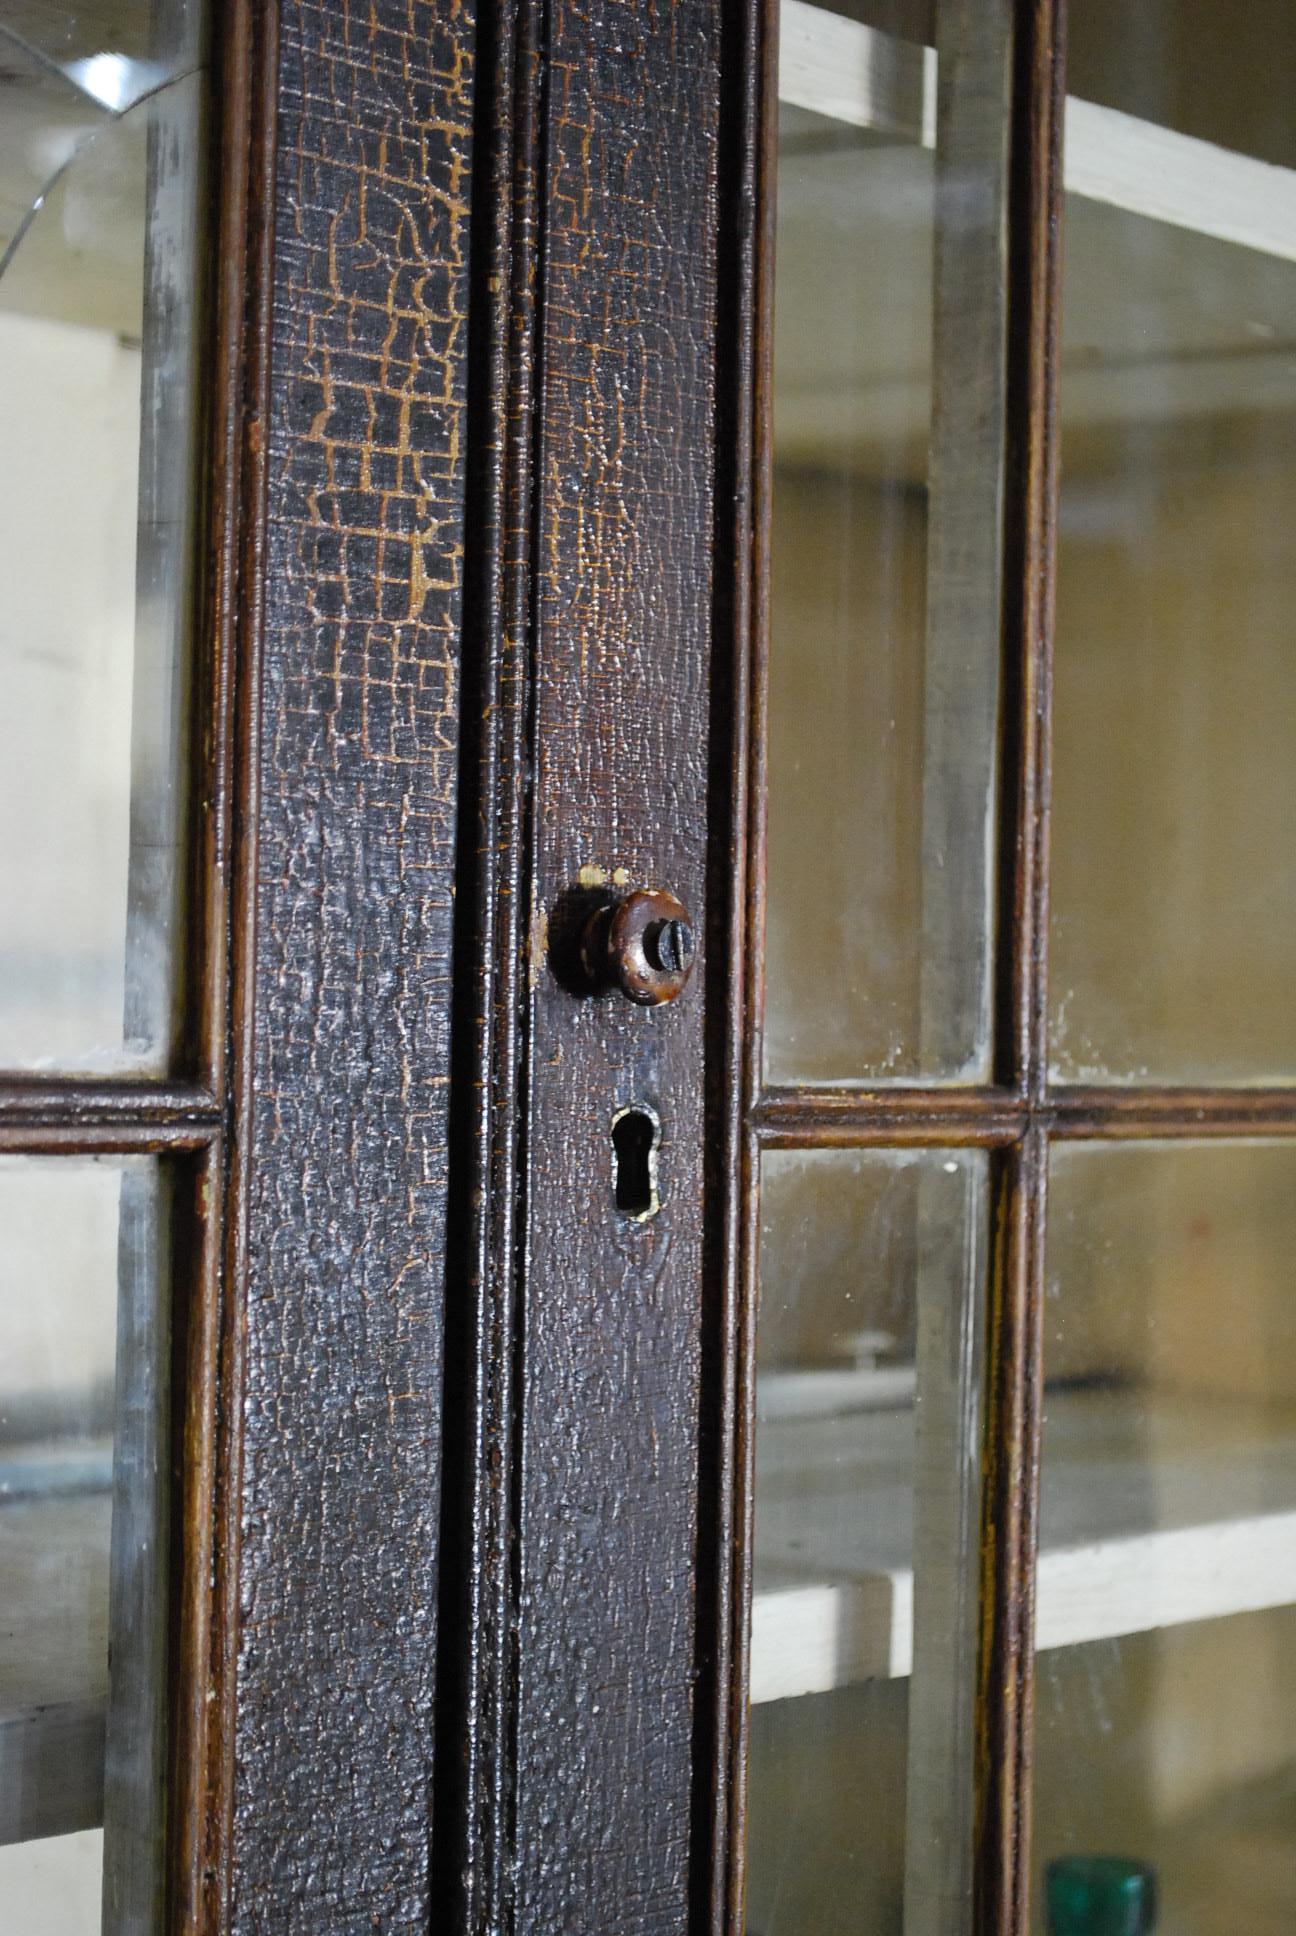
571,911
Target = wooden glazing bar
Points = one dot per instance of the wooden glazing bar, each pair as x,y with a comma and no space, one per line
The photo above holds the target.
759,557
1144,1113
806,1118
1009,1539
205,1693
1013,1397
1030,513
75,1105
828,1118
29,1138
858,1118
751,637
748,130
194,1719
231,584
200,1882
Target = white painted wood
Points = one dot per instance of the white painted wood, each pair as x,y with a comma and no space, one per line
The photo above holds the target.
813,1394
808,1639
1171,177
850,72
1156,1511
1166,1579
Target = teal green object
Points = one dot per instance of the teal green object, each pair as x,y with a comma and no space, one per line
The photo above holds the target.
1100,1895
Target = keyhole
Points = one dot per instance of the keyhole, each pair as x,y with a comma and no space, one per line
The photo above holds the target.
636,1133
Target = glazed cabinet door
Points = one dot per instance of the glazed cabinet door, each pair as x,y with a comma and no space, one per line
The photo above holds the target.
360,522
1017,1349
233,291
109,1063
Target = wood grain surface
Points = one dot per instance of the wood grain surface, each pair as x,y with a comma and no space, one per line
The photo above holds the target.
613,1307
355,834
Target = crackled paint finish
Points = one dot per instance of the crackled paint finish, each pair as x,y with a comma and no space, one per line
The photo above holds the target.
607,1641
358,743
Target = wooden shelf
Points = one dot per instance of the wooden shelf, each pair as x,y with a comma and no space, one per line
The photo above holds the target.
849,72
1156,1511
1179,278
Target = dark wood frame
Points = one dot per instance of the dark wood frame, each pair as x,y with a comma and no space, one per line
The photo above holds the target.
549,82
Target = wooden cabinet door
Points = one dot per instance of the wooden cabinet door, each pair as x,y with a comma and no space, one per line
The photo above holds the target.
1019,1090
235,293
414,1519
629,1169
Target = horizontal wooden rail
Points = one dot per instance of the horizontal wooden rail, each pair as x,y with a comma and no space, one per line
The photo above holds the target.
64,1117
868,1116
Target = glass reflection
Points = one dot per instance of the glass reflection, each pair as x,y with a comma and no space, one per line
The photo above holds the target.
101,137
867,1516
1173,946
1166,1601
852,400
83,1398
886,550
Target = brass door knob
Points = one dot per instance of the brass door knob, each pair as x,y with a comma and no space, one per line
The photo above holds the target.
643,944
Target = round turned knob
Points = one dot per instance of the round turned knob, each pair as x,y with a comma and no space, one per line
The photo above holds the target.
644,945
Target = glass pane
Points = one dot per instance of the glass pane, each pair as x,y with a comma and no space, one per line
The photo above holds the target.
1166,1614
868,1453
1174,870
884,634
83,1459
100,185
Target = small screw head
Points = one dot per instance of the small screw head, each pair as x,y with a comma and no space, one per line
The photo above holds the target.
670,944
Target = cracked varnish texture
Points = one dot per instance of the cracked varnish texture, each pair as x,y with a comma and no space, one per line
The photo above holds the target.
357,753
612,1322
